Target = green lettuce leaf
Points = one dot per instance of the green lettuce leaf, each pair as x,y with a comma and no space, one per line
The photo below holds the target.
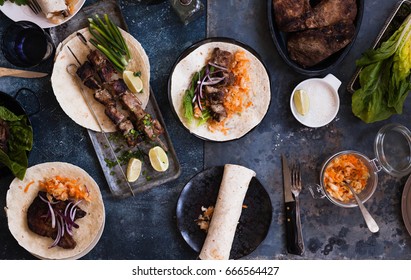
18,2
384,78
20,141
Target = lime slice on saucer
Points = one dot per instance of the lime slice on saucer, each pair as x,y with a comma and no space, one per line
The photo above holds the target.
301,101
133,81
133,169
158,159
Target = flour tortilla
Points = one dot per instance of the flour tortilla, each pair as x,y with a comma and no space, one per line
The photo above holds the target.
227,212
66,87
18,201
238,125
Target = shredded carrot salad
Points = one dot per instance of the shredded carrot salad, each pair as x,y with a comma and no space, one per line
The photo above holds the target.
63,188
236,99
26,188
345,168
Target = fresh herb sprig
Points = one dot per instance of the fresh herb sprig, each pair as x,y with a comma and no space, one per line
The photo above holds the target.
108,39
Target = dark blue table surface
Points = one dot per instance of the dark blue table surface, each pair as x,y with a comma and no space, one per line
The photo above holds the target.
144,227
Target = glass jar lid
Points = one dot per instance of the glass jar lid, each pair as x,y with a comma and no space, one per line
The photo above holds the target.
393,149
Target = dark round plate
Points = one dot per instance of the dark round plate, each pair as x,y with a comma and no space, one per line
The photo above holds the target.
406,205
264,86
202,190
14,106
324,67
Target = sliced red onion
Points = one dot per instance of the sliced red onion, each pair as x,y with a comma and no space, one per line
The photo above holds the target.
218,66
58,237
62,226
73,209
53,215
47,201
68,229
213,81
67,207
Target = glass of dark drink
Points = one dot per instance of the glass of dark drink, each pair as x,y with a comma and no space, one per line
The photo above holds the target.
25,44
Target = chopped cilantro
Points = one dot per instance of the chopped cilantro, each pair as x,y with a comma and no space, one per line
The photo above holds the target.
110,163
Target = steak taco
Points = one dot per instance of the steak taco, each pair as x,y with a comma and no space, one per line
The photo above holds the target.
51,221
220,90
68,92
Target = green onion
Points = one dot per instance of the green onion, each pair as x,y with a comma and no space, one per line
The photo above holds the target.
108,39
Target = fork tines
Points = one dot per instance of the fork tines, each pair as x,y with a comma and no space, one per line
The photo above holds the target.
34,6
296,175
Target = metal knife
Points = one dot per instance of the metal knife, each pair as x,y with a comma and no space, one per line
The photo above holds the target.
293,246
4,72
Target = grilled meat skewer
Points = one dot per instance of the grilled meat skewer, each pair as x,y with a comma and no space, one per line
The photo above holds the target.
87,73
110,90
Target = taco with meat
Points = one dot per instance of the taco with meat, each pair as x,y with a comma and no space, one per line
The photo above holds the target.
56,212
220,90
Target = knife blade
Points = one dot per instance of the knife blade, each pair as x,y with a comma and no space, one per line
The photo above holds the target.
7,72
293,246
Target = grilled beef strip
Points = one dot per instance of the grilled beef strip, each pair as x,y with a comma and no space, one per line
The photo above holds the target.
4,135
104,97
103,67
87,73
123,124
222,58
145,123
39,220
215,101
115,115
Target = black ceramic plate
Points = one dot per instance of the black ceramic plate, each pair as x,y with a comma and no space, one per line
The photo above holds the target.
194,58
324,67
406,205
14,106
202,190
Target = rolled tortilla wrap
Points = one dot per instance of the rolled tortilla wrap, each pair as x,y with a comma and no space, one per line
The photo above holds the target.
52,7
227,212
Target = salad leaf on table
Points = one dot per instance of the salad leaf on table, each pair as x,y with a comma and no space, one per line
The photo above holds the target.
17,2
384,78
19,142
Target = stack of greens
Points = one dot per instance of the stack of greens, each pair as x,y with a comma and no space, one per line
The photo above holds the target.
108,39
19,142
385,77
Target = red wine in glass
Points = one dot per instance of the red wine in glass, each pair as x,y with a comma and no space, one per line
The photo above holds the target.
25,44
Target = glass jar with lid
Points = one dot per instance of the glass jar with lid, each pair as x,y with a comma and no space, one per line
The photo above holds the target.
392,147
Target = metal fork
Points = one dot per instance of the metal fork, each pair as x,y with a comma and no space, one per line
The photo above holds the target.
296,189
34,6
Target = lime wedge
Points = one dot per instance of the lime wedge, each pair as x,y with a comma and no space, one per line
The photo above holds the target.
133,82
133,169
158,159
301,101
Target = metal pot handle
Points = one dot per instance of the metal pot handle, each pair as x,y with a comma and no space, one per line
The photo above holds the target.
38,107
